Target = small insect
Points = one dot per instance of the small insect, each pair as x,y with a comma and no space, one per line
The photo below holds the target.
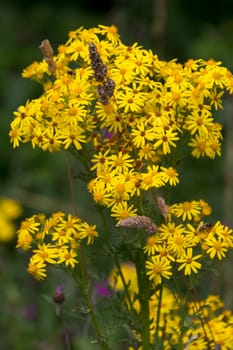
207,226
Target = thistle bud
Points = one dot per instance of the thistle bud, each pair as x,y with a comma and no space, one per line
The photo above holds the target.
59,296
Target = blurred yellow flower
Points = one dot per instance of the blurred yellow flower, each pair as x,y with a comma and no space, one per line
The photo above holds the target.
9,211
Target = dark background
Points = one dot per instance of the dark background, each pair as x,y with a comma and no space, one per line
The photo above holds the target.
173,29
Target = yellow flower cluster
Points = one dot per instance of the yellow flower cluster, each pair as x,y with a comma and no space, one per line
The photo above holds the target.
209,325
130,118
125,131
185,243
54,240
128,133
9,211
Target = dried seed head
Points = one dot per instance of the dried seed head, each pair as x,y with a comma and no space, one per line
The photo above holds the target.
93,50
47,52
163,208
139,222
46,49
106,90
100,69
100,72
109,86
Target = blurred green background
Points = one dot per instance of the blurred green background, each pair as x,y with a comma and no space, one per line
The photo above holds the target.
173,29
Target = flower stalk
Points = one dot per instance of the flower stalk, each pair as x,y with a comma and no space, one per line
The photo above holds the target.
143,296
84,286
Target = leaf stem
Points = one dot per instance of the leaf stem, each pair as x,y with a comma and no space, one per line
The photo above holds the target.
84,287
143,294
159,311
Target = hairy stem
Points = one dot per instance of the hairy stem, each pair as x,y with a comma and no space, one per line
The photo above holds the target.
80,274
143,293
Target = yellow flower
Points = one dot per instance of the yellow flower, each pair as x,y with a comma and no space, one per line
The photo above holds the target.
170,175
158,268
52,142
45,253
100,192
88,231
177,244
186,210
73,136
205,208
101,162
189,262
170,229
61,236
152,178
77,49
122,73
35,70
146,152
141,134
7,230
199,122
229,85
10,208
224,232
69,223
151,244
37,268
68,257
16,136
111,33
120,162
200,146
30,225
131,100
122,210
122,190
128,272
165,139
216,247
25,240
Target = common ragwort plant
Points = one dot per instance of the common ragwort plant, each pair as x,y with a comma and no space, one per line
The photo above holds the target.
131,119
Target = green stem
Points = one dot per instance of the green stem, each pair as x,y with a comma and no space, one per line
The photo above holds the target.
144,293
126,287
61,320
182,301
104,222
84,285
85,291
159,311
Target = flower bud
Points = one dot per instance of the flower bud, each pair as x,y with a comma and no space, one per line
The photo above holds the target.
59,296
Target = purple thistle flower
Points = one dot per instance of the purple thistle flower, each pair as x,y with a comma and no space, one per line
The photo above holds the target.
102,290
30,312
59,296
